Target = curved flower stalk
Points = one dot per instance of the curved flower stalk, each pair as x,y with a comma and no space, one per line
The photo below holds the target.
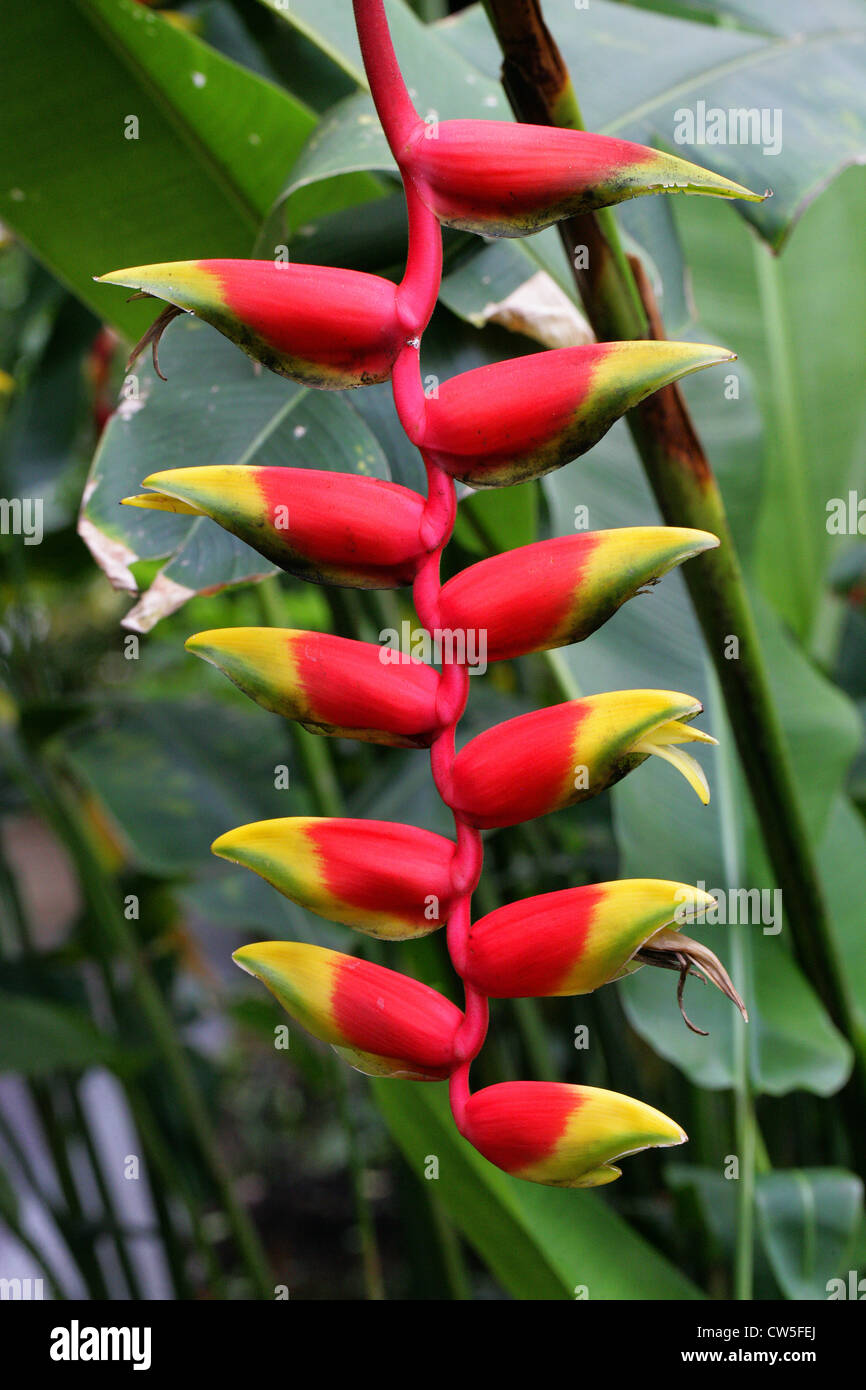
490,427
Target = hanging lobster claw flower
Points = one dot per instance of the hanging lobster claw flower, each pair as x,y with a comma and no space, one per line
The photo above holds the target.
385,879
330,528
576,940
510,421
565,1136
567,587
554,757
383,1023
331,685
504,180
316,324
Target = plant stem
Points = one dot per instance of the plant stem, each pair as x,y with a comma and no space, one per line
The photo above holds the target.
619,305
745,1127
371,1260
105,1194
165,1171
28,1244
319,772
449,1246
74,1222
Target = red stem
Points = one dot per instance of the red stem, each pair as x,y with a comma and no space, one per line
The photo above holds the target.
416,299
419,288
393,103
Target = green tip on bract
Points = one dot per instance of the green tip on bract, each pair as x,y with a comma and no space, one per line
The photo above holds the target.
687,177
163,280
693,357
629,371
657,548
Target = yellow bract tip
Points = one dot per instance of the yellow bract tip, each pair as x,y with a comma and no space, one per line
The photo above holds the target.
159,502
663,742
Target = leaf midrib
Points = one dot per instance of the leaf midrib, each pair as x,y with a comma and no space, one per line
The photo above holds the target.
763,52
219,172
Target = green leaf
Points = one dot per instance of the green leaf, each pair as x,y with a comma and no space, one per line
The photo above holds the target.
633,71
655,641
215,409
539,1242
790,321
37,1038
244,902
45,418
842,864
494,520
765,16
437,78
213,148
807,1219
174,774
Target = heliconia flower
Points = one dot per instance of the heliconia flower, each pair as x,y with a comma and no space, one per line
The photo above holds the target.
554,592
510,421
505,180
565,1136
553,757
578,939
330,528
380,877
331,685
319,325
382,1022
575,940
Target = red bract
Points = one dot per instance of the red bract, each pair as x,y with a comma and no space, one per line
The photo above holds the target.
559,591
382,878
551,758
520,419
507,180
322,326
578,939
331,685
565,1136
383,1023
331,528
